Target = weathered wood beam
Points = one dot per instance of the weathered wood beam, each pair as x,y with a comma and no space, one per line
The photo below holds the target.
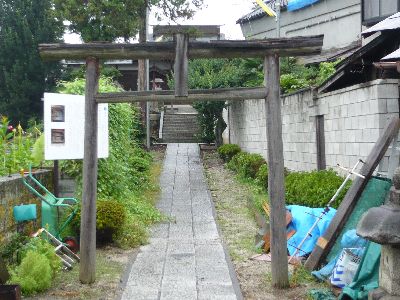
87,273
276,185
234,94
326,242
296,46
181,65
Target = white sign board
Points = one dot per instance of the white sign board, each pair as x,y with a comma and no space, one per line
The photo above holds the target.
64,127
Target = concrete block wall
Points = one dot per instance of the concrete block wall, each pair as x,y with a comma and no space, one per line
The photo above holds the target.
354,118
13,192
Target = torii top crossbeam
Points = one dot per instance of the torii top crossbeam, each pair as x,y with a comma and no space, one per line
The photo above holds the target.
297,46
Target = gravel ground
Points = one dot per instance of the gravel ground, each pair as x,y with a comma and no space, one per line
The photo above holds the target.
239,228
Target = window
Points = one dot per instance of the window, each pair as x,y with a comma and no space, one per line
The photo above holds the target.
374,11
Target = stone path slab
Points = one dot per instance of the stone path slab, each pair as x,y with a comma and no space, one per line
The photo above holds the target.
185,258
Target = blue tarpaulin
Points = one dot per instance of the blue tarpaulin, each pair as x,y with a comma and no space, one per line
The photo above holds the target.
303,220
299,4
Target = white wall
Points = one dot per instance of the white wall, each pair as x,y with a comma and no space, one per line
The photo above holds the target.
354,119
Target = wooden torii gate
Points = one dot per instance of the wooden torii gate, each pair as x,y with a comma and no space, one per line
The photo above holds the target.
182,49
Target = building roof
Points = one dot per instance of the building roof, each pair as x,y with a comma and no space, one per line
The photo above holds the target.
394,56
390,23
258,12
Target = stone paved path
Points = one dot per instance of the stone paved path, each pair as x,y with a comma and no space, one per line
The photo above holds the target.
185,258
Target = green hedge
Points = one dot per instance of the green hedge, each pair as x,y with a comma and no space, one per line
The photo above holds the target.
246,164
314,188
227,151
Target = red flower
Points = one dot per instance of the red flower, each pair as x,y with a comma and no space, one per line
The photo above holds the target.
10,127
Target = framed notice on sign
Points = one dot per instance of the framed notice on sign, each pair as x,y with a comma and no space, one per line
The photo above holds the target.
58,113
64,123
58,136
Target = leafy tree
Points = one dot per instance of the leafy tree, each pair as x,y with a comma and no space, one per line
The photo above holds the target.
211,74
108,20
23,76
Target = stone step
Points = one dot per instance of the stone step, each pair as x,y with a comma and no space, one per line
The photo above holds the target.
180,128
181,141
178,136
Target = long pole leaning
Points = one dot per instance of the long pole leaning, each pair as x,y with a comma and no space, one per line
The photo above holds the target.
87,272
276,189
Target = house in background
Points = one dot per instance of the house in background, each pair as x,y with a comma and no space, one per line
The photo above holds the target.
341,22
339,121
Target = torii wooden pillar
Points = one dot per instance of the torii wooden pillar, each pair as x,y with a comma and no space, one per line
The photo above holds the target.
181,51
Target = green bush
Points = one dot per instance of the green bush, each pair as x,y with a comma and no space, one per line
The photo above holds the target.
110,218
246,164
41,246
262,176
34,274
315,188
226,152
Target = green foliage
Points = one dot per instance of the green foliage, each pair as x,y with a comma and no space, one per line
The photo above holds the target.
15,148
122,177
9,249
314,188
108,20
70,74
110,218
34,274
295,76
42,247
246,164
326,70
124,169
262,176
23,75
38,151
227,151
211,74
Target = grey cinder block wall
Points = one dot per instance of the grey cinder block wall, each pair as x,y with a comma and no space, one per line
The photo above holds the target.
353,118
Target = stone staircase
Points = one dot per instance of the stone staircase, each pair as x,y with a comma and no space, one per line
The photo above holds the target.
180,125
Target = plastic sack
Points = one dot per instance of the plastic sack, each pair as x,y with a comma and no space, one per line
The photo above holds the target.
346,267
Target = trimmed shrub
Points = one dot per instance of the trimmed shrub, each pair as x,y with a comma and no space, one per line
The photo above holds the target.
110,218
246,164
227,151
34,274
262,176
315,188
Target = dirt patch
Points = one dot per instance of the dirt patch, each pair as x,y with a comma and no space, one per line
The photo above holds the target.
238,227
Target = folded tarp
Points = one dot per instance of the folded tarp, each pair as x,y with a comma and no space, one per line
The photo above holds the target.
299,4
303,219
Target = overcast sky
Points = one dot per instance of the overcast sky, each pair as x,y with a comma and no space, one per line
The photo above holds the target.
215,12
